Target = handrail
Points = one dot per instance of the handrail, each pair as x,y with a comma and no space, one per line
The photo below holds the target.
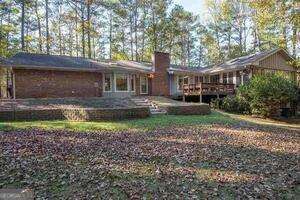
201,88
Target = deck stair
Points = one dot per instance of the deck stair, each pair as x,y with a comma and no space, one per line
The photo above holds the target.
154,108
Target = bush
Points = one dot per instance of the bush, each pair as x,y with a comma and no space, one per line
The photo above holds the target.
235,104
216,103
267,93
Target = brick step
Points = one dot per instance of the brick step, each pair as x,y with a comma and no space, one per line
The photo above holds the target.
154,109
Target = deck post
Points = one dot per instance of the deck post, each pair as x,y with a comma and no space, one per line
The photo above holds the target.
183,98
200,98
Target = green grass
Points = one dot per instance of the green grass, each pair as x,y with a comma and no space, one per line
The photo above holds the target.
138,124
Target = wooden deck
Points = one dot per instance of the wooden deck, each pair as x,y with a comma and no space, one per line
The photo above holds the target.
208,89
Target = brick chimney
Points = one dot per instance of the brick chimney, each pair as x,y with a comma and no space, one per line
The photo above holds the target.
160,83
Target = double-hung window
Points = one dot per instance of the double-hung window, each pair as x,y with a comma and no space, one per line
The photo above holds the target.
107,82
121,82
132,83
182,80
225,78
179,82
144,84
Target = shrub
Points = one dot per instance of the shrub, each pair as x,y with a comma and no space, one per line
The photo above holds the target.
235,104
216,103
267,93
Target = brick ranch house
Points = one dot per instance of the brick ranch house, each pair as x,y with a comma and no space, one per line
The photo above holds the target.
28,75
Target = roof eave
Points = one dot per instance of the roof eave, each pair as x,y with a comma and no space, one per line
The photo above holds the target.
33,67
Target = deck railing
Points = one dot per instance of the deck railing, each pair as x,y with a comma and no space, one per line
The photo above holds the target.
208,89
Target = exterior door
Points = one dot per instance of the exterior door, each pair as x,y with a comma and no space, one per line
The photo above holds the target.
144,87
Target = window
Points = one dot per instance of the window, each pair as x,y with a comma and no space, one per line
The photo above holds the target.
230,77
107,82
186,80
121,82
206,79
144,84
132,83
246,76
225,78
201,79
215,78
196,79
182,80
179,82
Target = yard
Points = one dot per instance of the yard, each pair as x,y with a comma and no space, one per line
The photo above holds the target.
217,156
63,103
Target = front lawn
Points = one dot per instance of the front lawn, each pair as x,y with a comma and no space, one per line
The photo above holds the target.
214,156
135,124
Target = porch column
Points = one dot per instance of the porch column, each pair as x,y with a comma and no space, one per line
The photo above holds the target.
227,77
234,78
14,85
221,78
242,78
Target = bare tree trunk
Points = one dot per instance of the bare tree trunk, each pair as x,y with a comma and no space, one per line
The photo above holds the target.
200,52
94,48
110,35
8,35
136,30
22,26
76,27
82,30
143,35
294,31
229,44
89,28
154,28
47,28
39,26
70,40
59,31
188,50
131,35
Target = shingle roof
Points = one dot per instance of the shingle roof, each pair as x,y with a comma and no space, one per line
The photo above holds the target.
232,64
183,69
33,60
57,62
242,61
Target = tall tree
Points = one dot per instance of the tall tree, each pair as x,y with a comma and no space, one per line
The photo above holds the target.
47,27
22,25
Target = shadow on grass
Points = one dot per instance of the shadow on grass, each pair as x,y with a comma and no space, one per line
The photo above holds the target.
135,124
151,123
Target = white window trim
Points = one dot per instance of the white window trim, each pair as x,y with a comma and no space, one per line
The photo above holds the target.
147,84
111,81
183,77
177,85
188,78
115,82
132,76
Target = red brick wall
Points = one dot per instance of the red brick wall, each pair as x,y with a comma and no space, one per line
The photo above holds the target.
56,84
160,85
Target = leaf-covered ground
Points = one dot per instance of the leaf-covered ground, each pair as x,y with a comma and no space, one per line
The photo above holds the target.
201,161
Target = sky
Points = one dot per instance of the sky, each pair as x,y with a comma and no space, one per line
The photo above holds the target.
194,6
